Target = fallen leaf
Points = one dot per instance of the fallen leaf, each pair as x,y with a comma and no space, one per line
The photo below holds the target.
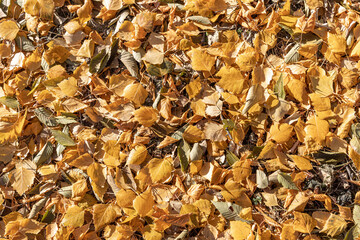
9,30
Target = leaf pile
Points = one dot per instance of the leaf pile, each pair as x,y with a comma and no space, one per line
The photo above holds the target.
216,119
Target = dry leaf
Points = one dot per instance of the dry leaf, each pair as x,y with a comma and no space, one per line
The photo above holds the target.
9,30
146,116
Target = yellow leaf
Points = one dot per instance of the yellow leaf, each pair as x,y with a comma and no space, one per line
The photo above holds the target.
40,8
136,93
87,49
146,116
8,30
231,80
355,157
355,52
104,214
69,87
137,155
241,170
313,4
10,132
247,60
151,234
23,176
308,50
297,89
84,12
125,198
320,82
166,142
74,217
281,133
301,162
240,230
143,203
193,88
194,211
334,225
205,8
73,26
17,229
337,43
56,53
73,105
97,173
320,103
201,60
192,134
79,189
316,130
288,231
303,222
160,169
33,62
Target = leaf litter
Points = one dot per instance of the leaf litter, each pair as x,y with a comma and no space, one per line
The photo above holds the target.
220,119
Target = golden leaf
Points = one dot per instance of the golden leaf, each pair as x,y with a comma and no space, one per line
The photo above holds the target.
201,60
23,176
316,130
146,116
74,217
69,87
334,225
143,203
136,93
321,83
125,198
160,169
193,88
337,43
137,155
192,134
9,30
104,214
18,228
240,230
231,80
166,142
303,222
247,60
97,173
301,162
10,132
112,4
281,133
